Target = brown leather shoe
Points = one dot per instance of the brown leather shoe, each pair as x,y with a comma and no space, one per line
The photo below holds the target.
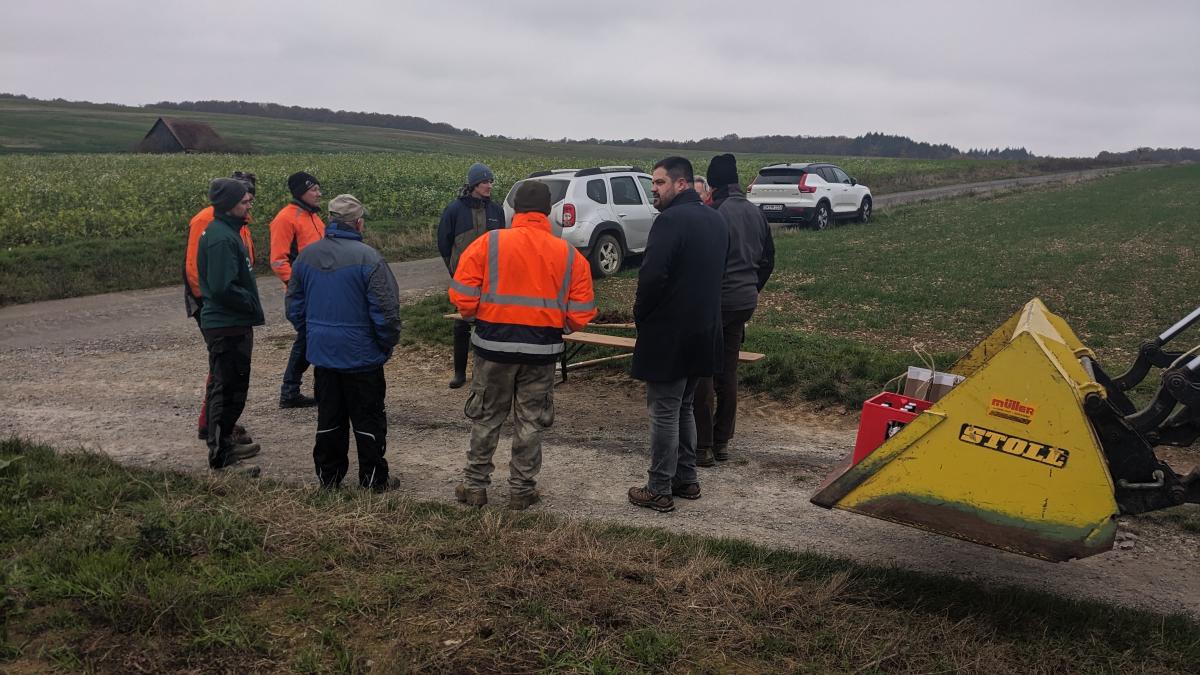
704,457
523,501
640,496
470,496
689,491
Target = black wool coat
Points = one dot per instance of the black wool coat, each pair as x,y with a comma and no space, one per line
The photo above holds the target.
678,304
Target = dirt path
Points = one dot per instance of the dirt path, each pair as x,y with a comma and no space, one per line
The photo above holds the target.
122,374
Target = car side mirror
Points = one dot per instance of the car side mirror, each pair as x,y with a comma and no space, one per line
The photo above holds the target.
853,180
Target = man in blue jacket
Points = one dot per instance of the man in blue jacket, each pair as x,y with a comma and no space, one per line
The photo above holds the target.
344,295
467,217
677,310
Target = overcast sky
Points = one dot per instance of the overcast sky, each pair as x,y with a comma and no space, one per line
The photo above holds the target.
1056,77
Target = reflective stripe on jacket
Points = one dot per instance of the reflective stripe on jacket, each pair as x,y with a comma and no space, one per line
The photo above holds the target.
195,229
524,287
294,227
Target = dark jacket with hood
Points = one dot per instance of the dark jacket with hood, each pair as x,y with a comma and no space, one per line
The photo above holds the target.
463,221
226,274
751,249
677,308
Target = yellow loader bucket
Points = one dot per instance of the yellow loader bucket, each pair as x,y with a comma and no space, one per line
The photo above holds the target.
1007,458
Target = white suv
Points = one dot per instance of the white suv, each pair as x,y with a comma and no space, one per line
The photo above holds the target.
605,212
813,194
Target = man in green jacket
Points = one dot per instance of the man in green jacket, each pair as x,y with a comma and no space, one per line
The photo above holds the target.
230,311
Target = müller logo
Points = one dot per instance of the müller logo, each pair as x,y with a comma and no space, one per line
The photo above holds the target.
1011,409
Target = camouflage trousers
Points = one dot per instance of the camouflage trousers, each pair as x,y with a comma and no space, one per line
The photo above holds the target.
496,388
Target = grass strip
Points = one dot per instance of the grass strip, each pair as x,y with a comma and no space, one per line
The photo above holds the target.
109,568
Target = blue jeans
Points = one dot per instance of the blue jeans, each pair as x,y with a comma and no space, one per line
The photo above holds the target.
296,365
672,434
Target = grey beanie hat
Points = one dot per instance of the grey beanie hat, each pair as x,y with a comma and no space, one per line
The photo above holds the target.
479,173
225,193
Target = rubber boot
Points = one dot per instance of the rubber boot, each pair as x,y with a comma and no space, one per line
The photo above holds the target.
462,344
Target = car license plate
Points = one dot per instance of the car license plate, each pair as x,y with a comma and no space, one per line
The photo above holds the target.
772,207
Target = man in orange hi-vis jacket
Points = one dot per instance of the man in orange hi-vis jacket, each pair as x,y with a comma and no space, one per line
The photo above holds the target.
295,226
524,287
192,299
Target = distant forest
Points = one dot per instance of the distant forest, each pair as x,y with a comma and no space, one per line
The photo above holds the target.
867,145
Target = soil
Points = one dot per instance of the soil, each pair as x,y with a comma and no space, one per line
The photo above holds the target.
123,374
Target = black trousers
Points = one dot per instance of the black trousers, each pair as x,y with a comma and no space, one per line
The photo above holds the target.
229,352
715,430
462,345
345,400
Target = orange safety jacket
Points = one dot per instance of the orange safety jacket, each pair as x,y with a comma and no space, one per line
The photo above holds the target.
295,226
524,287
196,228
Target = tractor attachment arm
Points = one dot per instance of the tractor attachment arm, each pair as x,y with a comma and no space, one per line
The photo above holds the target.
1151,354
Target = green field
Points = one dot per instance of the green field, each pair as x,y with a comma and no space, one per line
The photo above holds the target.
845,307
105,568
74,224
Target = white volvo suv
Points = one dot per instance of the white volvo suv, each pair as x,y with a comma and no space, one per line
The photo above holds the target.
605,212
813,194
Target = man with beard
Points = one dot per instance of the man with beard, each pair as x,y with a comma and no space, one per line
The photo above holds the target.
677,310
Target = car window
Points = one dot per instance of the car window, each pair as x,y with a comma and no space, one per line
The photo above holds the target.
596,191
779,176
827,174
558,189
625,191
839,175
647,188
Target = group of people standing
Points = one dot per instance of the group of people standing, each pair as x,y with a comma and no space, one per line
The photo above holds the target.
518,290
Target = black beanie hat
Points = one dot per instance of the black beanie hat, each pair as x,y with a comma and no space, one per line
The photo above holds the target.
300,182
722,171
225,193
532,196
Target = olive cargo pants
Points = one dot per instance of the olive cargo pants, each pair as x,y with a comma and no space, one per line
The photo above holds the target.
496,388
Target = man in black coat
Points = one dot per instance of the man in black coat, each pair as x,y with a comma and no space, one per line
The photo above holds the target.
678,315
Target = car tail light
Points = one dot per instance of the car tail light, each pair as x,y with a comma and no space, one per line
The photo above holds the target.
568,216
807,189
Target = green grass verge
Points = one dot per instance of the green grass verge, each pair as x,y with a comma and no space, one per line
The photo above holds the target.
110,568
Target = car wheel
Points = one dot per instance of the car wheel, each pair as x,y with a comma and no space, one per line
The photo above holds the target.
606,256
821,216
864,211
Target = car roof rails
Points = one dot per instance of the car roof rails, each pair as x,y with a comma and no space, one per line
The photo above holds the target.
551,172
607,169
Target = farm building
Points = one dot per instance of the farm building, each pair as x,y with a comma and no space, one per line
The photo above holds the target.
171,134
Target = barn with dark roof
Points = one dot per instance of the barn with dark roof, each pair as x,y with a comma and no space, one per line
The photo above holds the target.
171,134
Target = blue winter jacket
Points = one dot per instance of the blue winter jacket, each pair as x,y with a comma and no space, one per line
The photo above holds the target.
343,295
456,230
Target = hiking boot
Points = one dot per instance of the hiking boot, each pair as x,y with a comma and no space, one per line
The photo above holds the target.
297,401
386,486
238,452
720,453
688,491
640,496
459,380
470,496
240,436
239,469
523,501
704,457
